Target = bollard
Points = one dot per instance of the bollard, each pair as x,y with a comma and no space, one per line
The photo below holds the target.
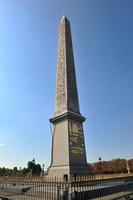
58,192
74,195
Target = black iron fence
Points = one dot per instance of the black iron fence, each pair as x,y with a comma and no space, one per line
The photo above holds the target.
74,188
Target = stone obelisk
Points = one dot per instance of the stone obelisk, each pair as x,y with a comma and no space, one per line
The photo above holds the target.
68,156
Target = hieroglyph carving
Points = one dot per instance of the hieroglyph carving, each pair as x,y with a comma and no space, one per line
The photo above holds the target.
66,88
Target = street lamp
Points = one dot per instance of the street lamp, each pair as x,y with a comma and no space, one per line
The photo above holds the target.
128,168
33,161
100,159
43,169
100,165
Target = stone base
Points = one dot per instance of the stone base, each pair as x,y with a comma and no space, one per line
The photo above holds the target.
60,171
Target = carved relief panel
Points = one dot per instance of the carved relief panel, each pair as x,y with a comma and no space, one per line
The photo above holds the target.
76,139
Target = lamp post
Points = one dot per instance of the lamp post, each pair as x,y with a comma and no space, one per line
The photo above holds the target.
43,169
20,171
33,161
33,165
128,168
100,166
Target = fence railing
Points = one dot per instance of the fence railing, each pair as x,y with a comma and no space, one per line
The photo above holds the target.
73,188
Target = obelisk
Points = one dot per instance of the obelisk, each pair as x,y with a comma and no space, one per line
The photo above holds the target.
68,156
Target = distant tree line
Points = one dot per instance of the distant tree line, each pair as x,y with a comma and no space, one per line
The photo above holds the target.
114,166
32,169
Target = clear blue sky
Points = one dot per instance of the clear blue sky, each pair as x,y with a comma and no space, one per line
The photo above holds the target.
102,33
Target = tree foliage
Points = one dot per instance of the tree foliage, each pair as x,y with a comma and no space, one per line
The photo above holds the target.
32,169
113,166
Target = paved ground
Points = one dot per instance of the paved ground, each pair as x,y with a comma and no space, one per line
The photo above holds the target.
117,196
